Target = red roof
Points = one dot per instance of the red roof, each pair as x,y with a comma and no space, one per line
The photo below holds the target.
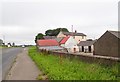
64,40
48,42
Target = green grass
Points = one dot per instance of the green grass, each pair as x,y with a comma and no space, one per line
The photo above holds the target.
3,46
71,69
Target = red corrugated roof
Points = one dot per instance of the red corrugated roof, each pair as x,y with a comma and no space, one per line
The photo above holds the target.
48,42
64,40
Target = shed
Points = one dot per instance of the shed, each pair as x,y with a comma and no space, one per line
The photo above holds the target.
86,46
108,44
52,48
49,44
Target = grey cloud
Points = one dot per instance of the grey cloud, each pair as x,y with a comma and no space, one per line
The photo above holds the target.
32,17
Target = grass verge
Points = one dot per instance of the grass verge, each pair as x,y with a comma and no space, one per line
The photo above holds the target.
71,69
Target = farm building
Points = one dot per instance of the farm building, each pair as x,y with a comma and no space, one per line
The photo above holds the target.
77,36
49,44
86,46
70,44
107,44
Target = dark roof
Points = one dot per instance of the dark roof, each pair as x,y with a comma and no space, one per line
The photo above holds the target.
1,40
74,34
49,37
59,39
115,33
86,43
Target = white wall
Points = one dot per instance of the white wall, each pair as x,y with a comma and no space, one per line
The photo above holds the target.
79,38
71,44
63,45
86,47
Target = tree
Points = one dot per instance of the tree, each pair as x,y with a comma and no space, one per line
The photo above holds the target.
13,44
55,32
49,32
9,43
39,36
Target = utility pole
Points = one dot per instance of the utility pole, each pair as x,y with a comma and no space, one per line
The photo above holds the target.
3,36
4,39
72,28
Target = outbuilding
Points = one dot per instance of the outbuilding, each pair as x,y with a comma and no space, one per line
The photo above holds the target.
108,44
86,46
49,44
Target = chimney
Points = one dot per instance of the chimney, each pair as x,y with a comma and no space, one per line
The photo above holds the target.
75,31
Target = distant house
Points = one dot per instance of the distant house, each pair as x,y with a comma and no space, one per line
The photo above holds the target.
108,44
49,37
77,36
86,46
9,45
1,42
49,44
70,44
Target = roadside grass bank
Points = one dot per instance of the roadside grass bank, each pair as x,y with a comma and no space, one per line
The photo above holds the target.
3,47
65,69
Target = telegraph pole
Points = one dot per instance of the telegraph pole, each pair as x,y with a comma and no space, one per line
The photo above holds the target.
4,39
3,36
72,28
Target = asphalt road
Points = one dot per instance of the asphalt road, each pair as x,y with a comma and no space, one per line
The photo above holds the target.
8,56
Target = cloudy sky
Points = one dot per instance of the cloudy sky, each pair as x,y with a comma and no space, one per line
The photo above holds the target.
21,20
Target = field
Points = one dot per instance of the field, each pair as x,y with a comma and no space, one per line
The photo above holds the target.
65,69
3,46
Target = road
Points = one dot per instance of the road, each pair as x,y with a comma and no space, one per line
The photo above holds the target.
24,68
8,56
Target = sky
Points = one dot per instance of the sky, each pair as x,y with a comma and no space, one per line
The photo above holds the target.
22,20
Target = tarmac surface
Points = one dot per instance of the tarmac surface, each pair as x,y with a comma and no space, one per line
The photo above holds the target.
24,68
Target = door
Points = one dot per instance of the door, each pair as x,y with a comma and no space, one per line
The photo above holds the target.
82,48
74,50
89,48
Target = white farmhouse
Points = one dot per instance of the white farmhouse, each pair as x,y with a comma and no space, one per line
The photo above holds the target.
70,44
77,36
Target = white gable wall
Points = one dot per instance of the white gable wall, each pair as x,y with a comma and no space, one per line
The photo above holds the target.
71,44
63,45
80,38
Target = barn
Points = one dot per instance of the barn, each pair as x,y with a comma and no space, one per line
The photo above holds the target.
108,44
49,44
